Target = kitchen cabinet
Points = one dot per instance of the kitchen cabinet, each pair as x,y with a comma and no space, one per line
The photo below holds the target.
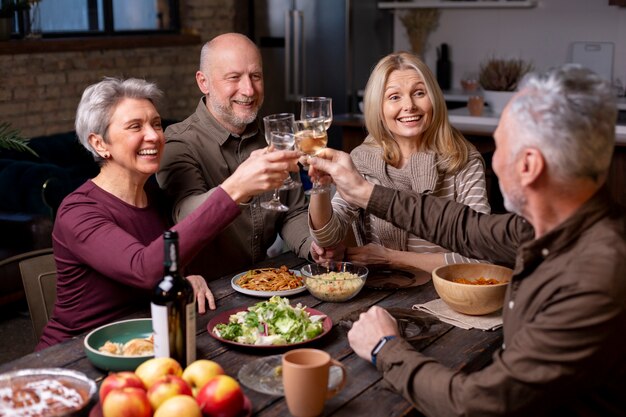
460,4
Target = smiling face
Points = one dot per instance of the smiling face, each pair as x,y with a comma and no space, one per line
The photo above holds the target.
407,109
135,138
233,82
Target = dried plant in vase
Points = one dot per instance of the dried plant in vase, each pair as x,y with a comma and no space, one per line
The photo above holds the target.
502,74
419,23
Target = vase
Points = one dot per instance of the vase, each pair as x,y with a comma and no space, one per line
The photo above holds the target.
497,100
34,26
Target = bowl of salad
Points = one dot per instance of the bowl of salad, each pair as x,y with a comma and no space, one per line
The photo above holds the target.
334,281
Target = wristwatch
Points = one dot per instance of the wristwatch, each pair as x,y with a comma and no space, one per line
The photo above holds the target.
383,340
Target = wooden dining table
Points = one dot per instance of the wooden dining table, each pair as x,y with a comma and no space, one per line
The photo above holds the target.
365,392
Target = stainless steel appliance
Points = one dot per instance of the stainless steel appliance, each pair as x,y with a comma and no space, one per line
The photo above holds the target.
318,48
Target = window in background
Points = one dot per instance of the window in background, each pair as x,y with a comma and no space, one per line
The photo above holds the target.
65,18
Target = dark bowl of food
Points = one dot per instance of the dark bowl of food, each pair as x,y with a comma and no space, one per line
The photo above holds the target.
49,392
120,346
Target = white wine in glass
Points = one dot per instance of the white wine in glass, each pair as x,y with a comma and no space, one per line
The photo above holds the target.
281,123
317,107
279,142
311,137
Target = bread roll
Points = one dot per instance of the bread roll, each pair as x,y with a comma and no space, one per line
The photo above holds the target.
136,347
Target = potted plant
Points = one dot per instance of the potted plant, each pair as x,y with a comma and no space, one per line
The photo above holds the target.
499,78
12,139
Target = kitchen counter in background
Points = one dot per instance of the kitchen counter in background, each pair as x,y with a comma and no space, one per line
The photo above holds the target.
479,131
486,124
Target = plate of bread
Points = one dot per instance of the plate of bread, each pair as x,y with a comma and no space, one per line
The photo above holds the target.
120,346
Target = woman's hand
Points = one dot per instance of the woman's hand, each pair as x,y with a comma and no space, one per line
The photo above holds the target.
322,255
262,171
370,254
202,292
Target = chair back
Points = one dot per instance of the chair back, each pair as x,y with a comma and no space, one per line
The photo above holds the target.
39,276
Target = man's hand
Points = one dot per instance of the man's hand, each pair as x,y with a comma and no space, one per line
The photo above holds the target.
370,254
262,171
202,292
322,255
368,330
350,184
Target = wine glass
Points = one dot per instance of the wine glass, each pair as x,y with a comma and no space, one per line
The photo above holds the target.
314,107
279,142
310,138
280,123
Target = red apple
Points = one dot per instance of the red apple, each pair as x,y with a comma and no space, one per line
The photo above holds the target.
119,380
199,372
179,406
127,402
166,387
155,368
220,397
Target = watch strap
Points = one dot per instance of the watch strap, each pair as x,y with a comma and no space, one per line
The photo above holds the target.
383,340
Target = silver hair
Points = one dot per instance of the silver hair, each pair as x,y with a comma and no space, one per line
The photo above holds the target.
99,101
569,113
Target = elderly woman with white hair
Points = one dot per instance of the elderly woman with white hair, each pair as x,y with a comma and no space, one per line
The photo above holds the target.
107,236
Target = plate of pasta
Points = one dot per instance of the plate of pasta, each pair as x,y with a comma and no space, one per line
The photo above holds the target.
268,282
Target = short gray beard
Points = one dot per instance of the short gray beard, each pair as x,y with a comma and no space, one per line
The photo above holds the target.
225,113
514,202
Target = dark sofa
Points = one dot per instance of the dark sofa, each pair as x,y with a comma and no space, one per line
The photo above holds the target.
31,189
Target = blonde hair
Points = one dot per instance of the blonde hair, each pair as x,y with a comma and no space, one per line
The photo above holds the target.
440,137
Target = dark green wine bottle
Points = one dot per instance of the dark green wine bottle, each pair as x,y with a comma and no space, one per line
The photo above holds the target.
173,309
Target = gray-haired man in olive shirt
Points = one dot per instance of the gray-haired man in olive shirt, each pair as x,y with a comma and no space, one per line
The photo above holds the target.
565,309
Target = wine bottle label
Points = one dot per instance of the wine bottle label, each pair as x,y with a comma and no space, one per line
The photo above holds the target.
190,315
161,334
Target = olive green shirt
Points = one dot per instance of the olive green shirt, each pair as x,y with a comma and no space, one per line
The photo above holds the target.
564,312
199,155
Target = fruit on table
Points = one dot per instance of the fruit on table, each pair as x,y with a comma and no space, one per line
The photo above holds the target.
167,387
153,369
221,396
179,406
117,381
199,372
127,402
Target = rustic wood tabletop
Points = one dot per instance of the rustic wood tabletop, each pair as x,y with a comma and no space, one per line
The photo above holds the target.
364,393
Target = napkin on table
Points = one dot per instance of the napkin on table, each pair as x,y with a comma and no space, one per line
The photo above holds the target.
444,313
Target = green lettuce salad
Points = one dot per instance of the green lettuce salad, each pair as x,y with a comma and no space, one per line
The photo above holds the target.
271,322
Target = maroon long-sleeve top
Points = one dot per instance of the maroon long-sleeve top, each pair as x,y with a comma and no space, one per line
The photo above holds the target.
109,254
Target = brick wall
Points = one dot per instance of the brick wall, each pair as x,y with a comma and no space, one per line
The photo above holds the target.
39,92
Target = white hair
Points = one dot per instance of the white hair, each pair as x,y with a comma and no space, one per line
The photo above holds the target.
99,100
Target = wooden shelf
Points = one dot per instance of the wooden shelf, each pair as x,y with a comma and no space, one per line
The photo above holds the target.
457,4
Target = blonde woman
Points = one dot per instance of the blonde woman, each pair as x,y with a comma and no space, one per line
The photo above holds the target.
410,146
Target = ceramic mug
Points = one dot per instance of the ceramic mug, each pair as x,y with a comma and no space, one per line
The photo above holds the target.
476,104
305,381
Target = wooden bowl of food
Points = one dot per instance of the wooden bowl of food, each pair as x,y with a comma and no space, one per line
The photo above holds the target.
474,289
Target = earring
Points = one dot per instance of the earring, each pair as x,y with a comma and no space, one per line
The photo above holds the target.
106,155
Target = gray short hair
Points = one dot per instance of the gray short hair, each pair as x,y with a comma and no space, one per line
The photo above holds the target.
99,100
569,113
